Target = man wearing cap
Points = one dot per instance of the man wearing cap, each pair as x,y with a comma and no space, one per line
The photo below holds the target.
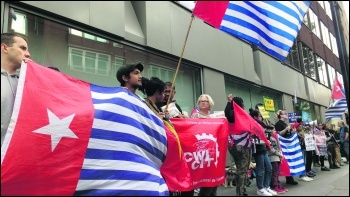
130,76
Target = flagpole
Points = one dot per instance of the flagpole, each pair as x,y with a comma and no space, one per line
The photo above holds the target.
341,48
179,63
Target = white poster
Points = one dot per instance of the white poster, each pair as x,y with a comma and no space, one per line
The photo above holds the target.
172,109
309,142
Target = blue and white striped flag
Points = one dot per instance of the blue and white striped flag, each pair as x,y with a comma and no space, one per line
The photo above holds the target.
292,152
69,137
271,25
337,109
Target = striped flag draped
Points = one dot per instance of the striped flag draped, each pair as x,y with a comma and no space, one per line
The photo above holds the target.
292,153
271,25
69,137
337,109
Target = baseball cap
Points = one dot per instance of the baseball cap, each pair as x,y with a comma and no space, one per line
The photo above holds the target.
126,69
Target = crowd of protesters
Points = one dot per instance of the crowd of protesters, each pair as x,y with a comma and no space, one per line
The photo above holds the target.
244,148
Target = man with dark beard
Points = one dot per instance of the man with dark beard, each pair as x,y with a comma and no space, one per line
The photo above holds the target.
130,76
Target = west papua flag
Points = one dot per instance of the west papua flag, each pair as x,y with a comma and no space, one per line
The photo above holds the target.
292,163
244,122
338,91
69,137
204,143
271,25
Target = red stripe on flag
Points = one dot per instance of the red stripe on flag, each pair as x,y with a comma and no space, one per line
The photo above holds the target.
32,164
211,12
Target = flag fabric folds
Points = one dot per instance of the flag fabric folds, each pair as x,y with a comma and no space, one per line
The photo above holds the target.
69,137
292,156
338,91
337,109
204,143
244,122
271,25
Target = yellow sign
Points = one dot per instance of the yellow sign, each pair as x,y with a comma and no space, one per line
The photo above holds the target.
269,105
263,112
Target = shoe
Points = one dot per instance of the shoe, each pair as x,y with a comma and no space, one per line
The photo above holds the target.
313,171
347,162
279,190
304,178
335,167
263,192
309,178
317,165
341,164
292,182
271,191
310,174
324,168
282,188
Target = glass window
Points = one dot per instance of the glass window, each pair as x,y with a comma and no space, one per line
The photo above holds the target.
322,72
321,4
252,95
327,7
334,45
95,59
86,35
18,22
306,20
293,57
89,61
325,35
309,63
340,78
314,23
331,72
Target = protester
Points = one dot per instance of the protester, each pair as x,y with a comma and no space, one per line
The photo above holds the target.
130,76
262,160
205,103
285,131
307,155
344,139
161,104
14,50
240,149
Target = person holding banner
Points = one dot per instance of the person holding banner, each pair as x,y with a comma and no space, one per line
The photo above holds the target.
14,50
307,154
174,169
240,149
285,131
205,103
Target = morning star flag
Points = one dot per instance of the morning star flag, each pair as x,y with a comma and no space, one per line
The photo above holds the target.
204,142
336,109
338,91
271,25
292,155
69,137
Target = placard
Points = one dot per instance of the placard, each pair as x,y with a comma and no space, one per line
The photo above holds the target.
269,104
309,142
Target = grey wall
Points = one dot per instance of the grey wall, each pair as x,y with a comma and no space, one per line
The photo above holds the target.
163,25
214,85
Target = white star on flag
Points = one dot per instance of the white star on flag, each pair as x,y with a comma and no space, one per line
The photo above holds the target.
57,128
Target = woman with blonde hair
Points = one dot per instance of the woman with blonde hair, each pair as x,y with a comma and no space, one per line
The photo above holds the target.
205,103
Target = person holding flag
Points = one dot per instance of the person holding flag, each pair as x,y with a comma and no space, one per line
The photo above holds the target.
240,149
14,50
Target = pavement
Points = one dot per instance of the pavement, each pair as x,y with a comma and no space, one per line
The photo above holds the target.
325,183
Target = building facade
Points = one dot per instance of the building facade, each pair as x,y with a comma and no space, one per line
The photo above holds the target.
90,40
